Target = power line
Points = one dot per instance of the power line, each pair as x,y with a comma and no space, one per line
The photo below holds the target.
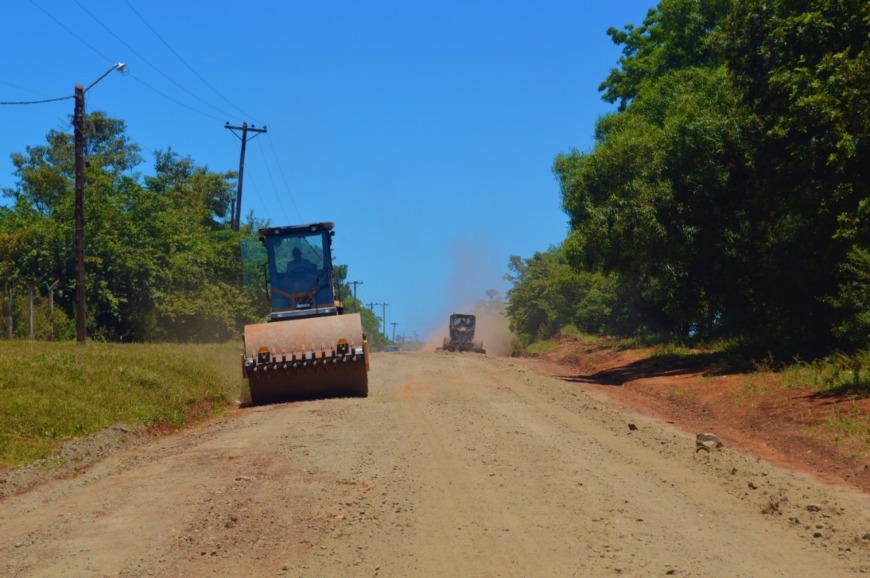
252,182
178,102
41,101
166,96
283,177
166,76
189,67
37,93
61,24
271,180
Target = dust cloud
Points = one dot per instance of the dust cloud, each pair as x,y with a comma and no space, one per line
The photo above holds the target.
475,274
436,339
493,331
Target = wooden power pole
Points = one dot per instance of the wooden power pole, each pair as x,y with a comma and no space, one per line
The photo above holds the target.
79,213
236,217
354,283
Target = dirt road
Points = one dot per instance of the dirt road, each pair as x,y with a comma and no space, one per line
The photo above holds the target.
456,465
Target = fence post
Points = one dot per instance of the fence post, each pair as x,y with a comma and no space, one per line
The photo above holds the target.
9,326
30,296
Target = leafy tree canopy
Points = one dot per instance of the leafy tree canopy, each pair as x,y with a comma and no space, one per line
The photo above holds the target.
726,197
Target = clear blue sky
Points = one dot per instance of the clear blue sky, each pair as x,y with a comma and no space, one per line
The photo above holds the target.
425,130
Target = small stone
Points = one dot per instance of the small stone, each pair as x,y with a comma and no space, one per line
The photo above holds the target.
707,442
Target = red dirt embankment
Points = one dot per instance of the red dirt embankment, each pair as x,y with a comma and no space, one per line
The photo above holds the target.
823,435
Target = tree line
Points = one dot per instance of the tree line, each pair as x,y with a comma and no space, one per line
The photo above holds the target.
161,263
726,197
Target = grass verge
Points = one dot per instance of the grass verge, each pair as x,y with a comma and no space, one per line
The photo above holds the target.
835,375
51,392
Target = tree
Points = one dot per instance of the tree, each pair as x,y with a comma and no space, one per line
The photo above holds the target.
802,70
654,202
161,263
724,198
191,260
549,294
674,35
43,203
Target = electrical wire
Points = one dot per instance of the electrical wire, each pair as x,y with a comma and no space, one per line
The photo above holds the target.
178,102
166,96
284,177
39,101
155,90
36,92
189,67
252,183
145,60
82,40
62,25
272,181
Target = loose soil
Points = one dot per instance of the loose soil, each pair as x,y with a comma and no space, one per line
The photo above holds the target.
826,436
455,465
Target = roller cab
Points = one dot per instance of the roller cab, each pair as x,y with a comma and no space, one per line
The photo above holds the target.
308,348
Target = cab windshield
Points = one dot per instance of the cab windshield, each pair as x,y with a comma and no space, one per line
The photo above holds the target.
299,271
461,320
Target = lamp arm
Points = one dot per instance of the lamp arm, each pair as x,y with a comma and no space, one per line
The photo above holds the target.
117,66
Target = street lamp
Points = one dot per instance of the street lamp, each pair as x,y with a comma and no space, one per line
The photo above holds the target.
79,249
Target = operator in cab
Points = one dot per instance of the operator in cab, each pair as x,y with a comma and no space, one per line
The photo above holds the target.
299,266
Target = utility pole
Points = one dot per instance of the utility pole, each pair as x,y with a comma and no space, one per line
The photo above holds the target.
355,302
372,307
10,325
236,217
354,283
30,310
79,211
384,318
79,203
394,323
51,289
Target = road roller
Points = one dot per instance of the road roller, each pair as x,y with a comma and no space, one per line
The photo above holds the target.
309,348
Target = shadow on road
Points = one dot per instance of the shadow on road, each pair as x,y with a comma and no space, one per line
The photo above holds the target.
706,364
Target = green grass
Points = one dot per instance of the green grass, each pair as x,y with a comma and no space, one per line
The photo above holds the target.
541,347
50,392
672,351
849,425
680,393
753,388
578,335
834,375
